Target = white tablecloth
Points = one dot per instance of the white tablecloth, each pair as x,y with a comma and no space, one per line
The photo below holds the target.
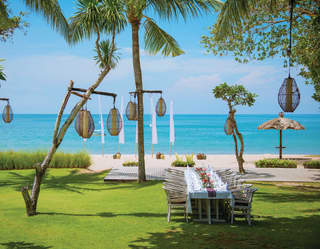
197,191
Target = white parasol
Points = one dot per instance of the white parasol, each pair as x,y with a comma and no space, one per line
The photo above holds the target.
154,124
121,134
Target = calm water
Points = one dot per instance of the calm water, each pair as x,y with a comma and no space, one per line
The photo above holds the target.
194,133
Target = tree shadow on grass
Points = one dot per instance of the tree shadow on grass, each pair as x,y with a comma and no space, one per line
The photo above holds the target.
106,214
266,232
74,182
22,245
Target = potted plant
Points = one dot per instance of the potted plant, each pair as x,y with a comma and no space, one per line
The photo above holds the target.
117,155
159,155
201,156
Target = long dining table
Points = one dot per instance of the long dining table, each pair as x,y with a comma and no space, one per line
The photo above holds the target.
199,193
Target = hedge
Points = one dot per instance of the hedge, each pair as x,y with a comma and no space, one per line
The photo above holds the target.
130,163
314,164
180,163
26,160
275,163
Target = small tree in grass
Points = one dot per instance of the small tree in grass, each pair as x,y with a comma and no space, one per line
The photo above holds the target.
235,95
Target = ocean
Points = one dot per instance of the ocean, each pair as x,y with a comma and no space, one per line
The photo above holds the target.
193,134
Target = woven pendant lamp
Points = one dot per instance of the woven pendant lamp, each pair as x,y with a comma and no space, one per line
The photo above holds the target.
84,124
131,111
289,94
114,122
228,127
161,107
7,114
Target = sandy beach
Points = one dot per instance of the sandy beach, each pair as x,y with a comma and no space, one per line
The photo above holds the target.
299,174
100,162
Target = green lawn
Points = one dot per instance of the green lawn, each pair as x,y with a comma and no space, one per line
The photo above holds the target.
81,211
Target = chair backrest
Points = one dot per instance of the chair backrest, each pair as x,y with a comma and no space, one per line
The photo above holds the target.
245,196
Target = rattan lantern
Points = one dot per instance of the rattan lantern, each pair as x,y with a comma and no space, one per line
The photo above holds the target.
161,107
132,111
228,127
7,114
289,95
84,124
114,122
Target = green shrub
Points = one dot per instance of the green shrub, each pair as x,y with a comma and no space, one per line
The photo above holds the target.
275,163
314,164
181,163
27,160
130,163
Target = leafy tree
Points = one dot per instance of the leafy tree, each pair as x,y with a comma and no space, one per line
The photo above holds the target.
91,19
156,40
257,30
8,23
235,95
2,74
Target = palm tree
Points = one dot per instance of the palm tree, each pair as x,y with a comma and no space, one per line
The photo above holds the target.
91,19
155,40
2,74
233,13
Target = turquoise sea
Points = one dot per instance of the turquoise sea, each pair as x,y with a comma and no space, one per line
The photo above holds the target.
193,134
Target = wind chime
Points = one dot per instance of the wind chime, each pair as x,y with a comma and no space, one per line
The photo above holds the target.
7,114
84,123
289,95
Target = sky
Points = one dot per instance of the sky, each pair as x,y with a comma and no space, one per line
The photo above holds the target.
40,64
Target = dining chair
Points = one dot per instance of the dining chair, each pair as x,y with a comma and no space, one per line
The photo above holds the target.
242,203
176,198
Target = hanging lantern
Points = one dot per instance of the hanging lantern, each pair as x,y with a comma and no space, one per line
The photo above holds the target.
84,124
7,114
161,107
289,95
228,127
114,122
132,111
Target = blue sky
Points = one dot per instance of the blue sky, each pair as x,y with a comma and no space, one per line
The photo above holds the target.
40,64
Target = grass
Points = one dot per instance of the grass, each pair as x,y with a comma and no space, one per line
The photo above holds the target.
130,164
81,211
27,160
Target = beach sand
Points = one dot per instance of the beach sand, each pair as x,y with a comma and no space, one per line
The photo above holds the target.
100,163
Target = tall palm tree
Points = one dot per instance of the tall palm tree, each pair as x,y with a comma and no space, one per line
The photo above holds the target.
155,40
91,19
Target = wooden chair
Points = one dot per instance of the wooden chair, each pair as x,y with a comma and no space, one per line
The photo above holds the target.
242,203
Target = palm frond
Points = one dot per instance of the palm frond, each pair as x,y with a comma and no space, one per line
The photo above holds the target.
233,13
96,15
52,12
174,8
157,39
2,74
106,49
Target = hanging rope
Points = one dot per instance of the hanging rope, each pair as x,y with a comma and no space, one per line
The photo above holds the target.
291,3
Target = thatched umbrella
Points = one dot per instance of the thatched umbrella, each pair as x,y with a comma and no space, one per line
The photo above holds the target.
280,124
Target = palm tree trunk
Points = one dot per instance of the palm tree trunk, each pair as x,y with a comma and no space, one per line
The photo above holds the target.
139,89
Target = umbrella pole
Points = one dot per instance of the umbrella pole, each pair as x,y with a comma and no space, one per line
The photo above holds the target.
102,149
135,150
119,148
152,150
280,149
170,145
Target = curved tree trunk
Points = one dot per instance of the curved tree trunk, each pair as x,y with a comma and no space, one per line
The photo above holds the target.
139,88
237,135
59,133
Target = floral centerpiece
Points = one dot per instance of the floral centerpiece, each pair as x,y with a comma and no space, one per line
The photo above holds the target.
205,177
